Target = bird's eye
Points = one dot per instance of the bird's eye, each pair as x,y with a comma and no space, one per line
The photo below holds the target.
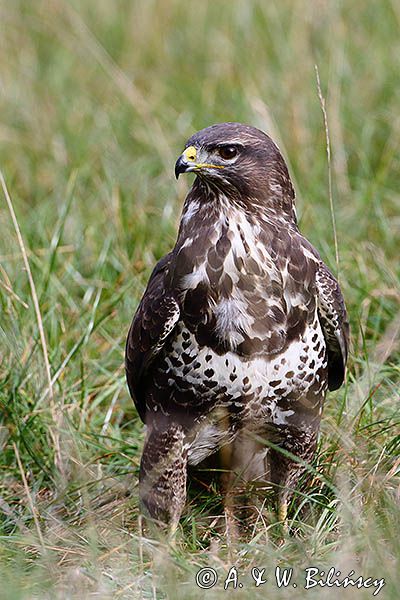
227,152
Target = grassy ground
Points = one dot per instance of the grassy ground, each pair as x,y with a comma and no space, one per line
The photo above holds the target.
97,99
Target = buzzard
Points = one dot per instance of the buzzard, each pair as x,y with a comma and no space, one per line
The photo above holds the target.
239,334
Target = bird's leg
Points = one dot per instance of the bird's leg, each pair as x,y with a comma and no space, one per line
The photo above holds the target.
286,470
282,511
232,532
282,514
284,475
162,479
246,481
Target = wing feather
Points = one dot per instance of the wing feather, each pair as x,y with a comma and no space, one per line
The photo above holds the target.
154,320
335,326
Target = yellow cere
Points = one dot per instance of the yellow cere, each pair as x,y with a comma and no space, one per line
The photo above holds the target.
190,153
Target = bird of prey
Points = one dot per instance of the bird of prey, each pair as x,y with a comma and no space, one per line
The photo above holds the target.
239,334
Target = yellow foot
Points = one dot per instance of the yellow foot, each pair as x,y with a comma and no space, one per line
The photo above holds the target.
171,533
282,511
282,517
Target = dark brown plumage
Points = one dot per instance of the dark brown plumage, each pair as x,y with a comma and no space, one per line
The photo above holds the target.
241,330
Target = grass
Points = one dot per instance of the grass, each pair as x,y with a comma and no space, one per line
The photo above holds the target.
97,99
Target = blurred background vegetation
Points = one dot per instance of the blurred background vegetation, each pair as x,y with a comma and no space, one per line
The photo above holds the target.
96,101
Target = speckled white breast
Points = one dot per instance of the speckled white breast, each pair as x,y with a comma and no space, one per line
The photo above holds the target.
257,384
229,370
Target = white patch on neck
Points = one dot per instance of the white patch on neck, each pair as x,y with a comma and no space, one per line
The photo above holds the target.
192,209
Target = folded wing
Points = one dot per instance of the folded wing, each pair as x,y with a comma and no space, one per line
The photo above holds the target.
335,326
154,320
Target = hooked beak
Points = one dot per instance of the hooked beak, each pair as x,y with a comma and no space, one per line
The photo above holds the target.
182,165
186,161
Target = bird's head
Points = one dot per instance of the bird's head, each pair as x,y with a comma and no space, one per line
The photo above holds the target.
239,160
